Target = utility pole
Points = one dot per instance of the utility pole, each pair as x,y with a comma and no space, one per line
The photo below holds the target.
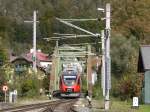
107,57
53,75
103,62
34,39
57,67
89,72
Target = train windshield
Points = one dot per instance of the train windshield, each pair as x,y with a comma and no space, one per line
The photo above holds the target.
69,80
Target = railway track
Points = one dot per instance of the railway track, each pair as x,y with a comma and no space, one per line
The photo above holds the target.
64,105
61,107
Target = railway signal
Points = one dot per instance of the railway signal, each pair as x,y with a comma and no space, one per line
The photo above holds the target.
5,89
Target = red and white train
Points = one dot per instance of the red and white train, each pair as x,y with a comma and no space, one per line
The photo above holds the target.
70,83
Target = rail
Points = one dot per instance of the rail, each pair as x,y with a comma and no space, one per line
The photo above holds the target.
47,106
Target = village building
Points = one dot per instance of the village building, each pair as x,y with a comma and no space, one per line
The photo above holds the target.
144,69
24,62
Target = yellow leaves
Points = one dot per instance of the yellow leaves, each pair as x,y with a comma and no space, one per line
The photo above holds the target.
134,15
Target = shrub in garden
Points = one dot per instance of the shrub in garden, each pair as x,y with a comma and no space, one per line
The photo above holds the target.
30,87
46,82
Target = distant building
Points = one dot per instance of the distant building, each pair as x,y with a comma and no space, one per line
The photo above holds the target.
25,61
144,68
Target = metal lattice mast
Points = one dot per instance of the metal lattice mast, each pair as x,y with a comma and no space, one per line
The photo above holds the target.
54,71
89,73
52,74
57,68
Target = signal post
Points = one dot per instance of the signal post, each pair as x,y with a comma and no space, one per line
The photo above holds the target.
5,89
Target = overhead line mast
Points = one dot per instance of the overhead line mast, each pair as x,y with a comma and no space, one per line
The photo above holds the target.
34,39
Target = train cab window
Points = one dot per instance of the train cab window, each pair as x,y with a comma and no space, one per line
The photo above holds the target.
69,80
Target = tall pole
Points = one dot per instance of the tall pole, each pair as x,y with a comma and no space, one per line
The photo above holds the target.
89,73
34,21
52,75
54,71
107,57
5,96
57,66
103,62
34,41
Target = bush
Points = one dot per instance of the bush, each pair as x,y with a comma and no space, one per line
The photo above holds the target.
97,91
30,87
46,82
84,83
2,82
128,86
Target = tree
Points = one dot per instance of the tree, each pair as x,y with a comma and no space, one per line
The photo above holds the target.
123,52
131,18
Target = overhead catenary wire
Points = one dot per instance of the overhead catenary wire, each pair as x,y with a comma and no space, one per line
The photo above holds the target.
79,20
76,27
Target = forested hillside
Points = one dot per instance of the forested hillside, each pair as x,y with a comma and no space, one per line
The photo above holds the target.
129,17
19,34
130,27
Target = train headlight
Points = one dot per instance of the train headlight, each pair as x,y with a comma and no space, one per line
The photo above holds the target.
73,82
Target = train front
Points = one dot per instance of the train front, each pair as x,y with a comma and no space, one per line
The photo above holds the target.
70,84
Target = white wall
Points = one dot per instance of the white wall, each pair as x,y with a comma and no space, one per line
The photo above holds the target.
45,64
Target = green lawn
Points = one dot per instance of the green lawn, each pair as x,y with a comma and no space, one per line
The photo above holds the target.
144,108
120,106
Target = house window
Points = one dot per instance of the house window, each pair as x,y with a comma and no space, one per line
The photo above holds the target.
20,68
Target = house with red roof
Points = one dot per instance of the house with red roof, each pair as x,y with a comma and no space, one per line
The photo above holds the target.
25,61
